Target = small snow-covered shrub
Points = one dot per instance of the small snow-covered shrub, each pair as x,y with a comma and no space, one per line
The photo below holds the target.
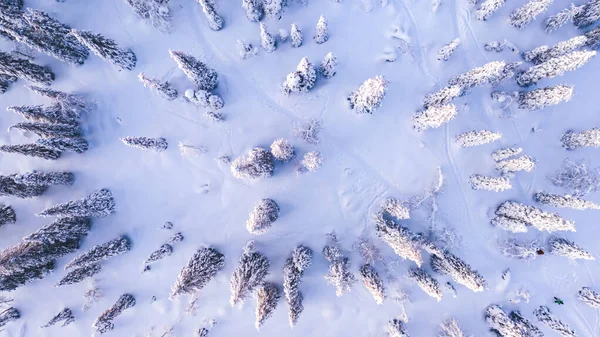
322,34
262,216
201,268
589,297
443,96
544,53
523,15
475,138
257,163
204,98
282,150
369,96
267,294
520,250
496,184
250,272
373,282
400,239
163,251
191,150
506,153
544,97
522,163
487,8
565,201
572,140
434,116
426,282
329,65
450,328
577,178
104,322
96,205
164,89
146,143
447,50
296,36
568,249
544,315
396,208
312,161
458,270
554,67
267,41
543,221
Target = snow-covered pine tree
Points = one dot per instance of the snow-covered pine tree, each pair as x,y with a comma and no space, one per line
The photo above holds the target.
104,322
215,21
487,183
7,215
399,238
434,116
487,8
312,161
146,143
475,138
523,15
589,297
163,251
107,49
47,130
301,80
322,34
296,36
593,38
250,272
587,14
6,80
204,77
544,97
458,270
544,315
568,249
65,315
395,328
572,140
164,89
329,65
201,268
396,208
524,325
556,21
369,96
32,150
72,105
79,274
447,50
267,297
543,221
340,276
45,113
493,73
99,204
8,186
554,67
245,49
9,315
156,12
37,178
544,53
23,68
522,163
274,8
510,224
61,230
254,9
373,282
262,216
443,96
267,41
282,150
450,328
114,247
565,201
293,269
77,145
506,153
501,323
257,163
426,282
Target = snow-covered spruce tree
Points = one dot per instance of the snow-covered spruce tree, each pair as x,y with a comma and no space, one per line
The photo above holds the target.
293,270
544,315
447,50
7,215
501,323
475,138
544,97
426,282
267,296
77,145
450,328
399,238
556,21
37,178
23,68
340,276
65,315
47,130
164,89
154,11
519,250
433,116
215,21
107,49
201,268
587,14
104,322
262,216
506,153
328,65
163,251
524,325
45,113
565,201
296,36
79,274
487,8
254,9
593,38
544,53
282,150
396,208
204,77
267,41
522,163
373,282
204,98
395,328
146,143
487,183
114,247
274,8
458,270
369,96
490,73
572,140
32,150
301,80
257,163
322,34
568,249
6,80
554,67
443,96
9,315
9,187
543,221
250,272
312,161
523,15
99,204
589,297
510,224
72,105
62,230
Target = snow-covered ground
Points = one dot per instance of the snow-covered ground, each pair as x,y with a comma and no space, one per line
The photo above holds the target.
367,158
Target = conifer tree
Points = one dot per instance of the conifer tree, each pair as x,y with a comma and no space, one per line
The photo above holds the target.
523,15
589,297
544,97
496,184
460,271
262,216
565,201
267,41
201,268
544,53
104,322
37,178
396,208
204,77
101,252
554,67
250,272
62,230
79,274
301,80
487,8
329,65
7,215
506,153
293,270
568,249
587,14
395,328
443,96
478,137
399,238
274,8
45,114
163,251
522,163
296,36
450,328
254,9
164,89
268,295
32,150
146,143
426,282
592,38
72,105
373,282
492,73
434,116
369,96
556,21
6,80
573,140
447,50
501,323
157,12
77,145
322,34
107,49
9,315
13,66
543,221
9,187
99,204
544,315
215,21
47,130
65,315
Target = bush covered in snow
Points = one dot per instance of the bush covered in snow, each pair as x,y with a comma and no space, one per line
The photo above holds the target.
395,328
96,205
589,297
522,163
257,163
565,201
544,315
267,294
475,138
496,184
523,15
568,249
339,274
400,239
434,116
262,216
282,150
487,8
554,67
543,221
32,150
426,282
450,328
293,270
250,272
572,140
204,77
369,96
23,68
104,322
202,267
447,50
309,132
312,161
443,96
520,250
373,282
204,98
544,97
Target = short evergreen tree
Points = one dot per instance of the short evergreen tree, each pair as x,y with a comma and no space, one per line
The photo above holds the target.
32,150
77,145
23,68
329,65
257,163
99,204
543,221
544,315
487,183
282,150
204,77
487,8
396,208
506,153
399,238
245,49
426,282
7,215
65,315
587,14
312,161
556,21
544,97
146,143
114,247
522,163
592,38
201,268
47,130
164,89
296,36
523,15
267,294
104,322
215,21
369,96
490,73
254,9
395,328
267,41
62,230
156,12
475,138
8,186
434,116
163,251
554,67
37,178
274,8
572,140
293,270
450,328
301,80
92,295
373,282
9,315
250,272
589,297
322,34
568,249
107,49
544,53
443,96
262,216
45,114
458,270
510,224
447,50
565,201
79,274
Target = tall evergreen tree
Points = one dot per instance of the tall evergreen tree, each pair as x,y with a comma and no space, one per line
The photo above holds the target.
164,89
45,114
72,105
63,230
104,322
79,274
399,238
293,270
98,204
77,145
65,315
329,65
544,97
296,36
201,268
9,315
322,34
460,271
554,67
523,15
106,49
301,80
588,14
204,77
32,150
7,215
268,295
254,9
25,69
274,8
114,247
6,81
146,143
544,53
373,282
47,130
215,21
10,187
